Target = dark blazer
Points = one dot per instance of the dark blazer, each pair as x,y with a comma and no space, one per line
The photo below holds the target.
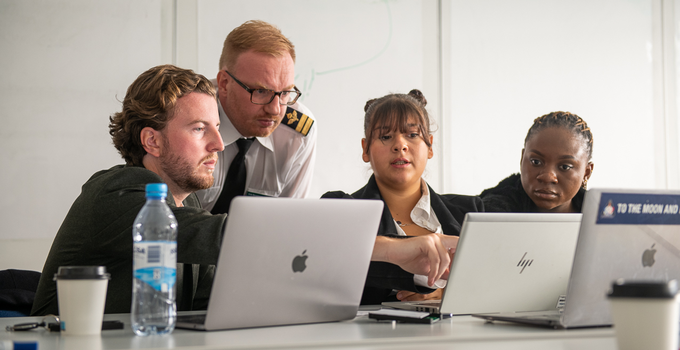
384,277
509,196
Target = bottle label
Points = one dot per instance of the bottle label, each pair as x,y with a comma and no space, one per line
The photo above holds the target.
155,262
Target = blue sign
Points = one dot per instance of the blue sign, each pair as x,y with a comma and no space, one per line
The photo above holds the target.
638,209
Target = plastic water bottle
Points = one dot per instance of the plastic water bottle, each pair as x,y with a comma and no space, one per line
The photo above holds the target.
154,265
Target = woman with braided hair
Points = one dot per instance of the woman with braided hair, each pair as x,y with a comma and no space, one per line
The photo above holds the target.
555,167
398,144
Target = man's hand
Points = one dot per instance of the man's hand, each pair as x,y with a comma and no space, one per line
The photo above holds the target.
428,255
405,295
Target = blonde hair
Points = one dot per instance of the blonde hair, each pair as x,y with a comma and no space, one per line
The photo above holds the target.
259,36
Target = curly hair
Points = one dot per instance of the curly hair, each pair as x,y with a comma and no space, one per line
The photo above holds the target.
149,102
391,112
566,120
254,35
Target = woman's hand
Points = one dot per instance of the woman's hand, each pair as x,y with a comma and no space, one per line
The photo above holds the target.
405,295
428,255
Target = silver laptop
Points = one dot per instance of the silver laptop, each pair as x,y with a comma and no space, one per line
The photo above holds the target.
631,234
290,261
507,262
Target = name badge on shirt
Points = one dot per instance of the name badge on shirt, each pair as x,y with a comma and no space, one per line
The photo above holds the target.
255,194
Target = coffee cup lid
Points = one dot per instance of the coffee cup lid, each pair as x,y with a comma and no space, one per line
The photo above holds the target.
81,273
643,289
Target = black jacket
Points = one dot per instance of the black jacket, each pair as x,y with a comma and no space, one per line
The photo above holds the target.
384,277
98,231
509,196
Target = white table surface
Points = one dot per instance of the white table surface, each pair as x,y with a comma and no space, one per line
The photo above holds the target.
461,332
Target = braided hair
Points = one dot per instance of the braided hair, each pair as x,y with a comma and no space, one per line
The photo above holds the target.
565,120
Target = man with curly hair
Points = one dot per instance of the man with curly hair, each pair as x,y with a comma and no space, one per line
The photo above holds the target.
167,131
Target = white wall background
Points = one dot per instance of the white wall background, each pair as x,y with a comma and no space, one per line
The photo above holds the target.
514,61
487,68
347,52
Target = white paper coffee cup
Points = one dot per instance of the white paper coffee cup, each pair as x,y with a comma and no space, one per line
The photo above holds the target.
645,314
81,291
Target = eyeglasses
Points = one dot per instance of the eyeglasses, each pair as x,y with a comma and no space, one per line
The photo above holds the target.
266,96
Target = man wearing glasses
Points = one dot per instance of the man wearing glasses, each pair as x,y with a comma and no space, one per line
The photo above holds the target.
256,93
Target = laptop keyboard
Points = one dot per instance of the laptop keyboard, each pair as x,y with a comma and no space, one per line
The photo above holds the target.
543,317
428,302
196,319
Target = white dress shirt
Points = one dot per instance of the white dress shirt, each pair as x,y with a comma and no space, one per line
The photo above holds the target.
423,216
279,165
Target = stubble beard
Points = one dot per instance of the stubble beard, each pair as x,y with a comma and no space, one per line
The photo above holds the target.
185,175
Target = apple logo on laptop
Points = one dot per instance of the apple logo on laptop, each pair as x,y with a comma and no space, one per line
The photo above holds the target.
299,264
648,256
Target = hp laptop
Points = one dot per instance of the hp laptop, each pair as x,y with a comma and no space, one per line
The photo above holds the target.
507,262
630,234
290,261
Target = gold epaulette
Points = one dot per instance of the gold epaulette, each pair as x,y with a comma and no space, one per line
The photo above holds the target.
298,121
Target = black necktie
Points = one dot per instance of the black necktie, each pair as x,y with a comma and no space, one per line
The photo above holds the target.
235,184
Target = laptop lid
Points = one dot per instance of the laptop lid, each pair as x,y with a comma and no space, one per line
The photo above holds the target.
511,262
631,234
508,262
291,261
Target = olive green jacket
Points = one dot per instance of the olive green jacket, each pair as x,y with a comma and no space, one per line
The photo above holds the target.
98,231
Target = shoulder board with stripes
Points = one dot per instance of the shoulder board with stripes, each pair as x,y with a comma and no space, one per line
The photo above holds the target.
298,121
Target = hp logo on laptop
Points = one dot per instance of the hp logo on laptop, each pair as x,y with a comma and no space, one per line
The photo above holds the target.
524,262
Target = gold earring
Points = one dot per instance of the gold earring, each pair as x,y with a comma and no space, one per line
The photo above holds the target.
585,183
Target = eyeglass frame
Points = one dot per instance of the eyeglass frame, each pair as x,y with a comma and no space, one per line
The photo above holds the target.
276,93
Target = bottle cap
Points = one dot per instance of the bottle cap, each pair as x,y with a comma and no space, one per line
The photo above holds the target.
157,190
81,273
644,289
